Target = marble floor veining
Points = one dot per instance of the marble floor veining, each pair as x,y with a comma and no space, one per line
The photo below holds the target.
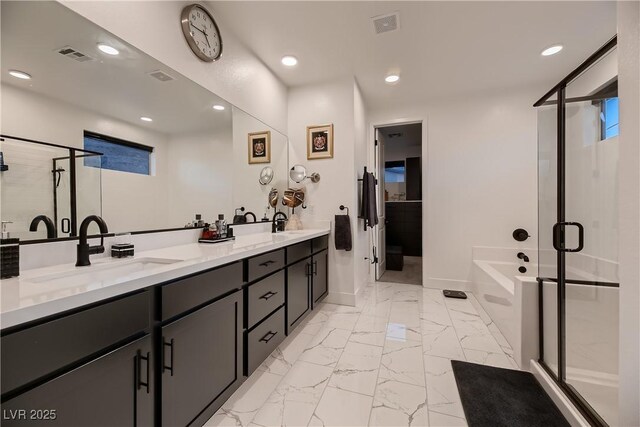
385,362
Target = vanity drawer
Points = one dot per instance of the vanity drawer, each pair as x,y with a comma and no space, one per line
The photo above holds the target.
264,339
263,297
261,265
31,353
298,251
185,294
320,243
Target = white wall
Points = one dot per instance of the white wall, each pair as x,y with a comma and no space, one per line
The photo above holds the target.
339,103
199,180
247,191
629,210
239,76
479,159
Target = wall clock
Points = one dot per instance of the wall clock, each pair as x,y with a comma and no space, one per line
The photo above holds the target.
201,32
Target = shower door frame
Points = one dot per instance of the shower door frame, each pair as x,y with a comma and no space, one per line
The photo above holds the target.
561,281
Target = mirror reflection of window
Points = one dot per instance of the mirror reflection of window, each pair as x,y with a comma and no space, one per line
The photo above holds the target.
394,171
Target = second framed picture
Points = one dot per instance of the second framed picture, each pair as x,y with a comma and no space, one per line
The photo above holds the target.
320,142
260,147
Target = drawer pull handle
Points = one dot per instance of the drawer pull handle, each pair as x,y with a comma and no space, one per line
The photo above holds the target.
266,263
267,295
270,335
315,268
164,366
140,358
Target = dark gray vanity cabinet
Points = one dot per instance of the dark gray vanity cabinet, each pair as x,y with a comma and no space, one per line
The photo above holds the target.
200,348
298,292
91,366
319,279
113,390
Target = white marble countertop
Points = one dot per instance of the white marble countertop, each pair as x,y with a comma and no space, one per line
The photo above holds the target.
45,291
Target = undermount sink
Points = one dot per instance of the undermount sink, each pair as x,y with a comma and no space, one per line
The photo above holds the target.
101,272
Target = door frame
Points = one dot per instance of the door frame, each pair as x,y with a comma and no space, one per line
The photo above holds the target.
372,151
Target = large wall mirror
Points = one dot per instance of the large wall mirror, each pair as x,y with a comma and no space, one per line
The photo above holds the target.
170,148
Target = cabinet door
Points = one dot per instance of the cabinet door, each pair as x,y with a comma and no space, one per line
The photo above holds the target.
202,358
113,390
298,298
320,276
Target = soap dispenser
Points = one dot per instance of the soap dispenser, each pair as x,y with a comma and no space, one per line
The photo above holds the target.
9,254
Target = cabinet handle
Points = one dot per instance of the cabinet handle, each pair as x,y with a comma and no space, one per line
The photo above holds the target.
165,367
267,295
268,334
66,225
315,268
308,270
140,358
266,263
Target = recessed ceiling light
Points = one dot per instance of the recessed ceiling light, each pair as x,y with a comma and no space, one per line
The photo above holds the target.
146,119
551,50
218,107
20,74
289,60
392,78
109,50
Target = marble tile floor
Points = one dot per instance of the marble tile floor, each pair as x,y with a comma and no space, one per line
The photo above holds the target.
385,362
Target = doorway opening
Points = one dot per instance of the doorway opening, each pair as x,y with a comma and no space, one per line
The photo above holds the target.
398,162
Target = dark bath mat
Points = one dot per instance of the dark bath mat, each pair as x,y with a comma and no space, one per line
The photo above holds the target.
495,397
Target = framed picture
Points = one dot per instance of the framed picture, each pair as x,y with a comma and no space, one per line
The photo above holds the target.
320,142
260,147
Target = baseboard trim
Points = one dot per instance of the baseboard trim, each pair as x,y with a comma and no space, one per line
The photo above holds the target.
341,298
437,283
570,412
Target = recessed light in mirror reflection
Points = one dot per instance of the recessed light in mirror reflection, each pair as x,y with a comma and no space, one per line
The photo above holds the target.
218,107
146,119
109,50
20,74
552,50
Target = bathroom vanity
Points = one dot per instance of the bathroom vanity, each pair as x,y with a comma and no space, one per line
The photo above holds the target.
164,343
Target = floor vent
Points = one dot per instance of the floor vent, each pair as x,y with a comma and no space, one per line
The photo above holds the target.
386,23
161,75
72,53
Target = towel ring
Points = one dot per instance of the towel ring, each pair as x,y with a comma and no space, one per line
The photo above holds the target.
343,207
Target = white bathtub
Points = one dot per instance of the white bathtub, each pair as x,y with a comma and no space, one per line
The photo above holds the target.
511,300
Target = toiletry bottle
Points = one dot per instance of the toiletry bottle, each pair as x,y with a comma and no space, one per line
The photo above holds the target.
221,225
9,254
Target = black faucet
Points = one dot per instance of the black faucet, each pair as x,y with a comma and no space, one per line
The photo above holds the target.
523,257
84,250
51,227
278,224
250,213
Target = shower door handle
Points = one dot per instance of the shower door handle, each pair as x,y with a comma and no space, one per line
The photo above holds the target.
558,237
66,225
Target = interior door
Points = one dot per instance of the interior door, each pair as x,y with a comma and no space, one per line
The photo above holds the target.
380,244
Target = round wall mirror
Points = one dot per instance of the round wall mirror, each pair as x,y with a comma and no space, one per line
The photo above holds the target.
266,175
298,173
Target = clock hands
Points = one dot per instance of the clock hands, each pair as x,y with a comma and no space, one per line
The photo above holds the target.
206,37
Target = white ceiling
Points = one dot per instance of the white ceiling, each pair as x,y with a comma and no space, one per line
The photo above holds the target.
115,86
442,49
402,135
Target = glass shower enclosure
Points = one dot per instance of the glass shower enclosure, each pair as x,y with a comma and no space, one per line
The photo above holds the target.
578,231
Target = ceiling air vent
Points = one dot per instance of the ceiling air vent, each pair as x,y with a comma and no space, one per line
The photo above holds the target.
72,53
161,75
386,23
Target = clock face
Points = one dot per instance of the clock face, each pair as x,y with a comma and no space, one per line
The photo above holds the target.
201,32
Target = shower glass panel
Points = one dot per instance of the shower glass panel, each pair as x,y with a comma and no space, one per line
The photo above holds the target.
591,275
88,185
62,195
547,217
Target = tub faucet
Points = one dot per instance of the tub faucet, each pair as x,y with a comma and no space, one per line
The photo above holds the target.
278,224
84,250
51,228
523,257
